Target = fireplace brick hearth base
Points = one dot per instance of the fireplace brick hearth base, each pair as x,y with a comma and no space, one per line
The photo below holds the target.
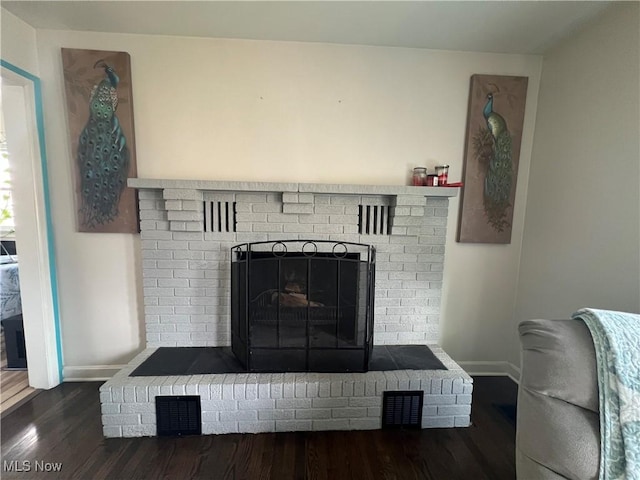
285,402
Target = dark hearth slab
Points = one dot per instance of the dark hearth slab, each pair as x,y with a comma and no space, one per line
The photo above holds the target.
188,361
404,357
211,360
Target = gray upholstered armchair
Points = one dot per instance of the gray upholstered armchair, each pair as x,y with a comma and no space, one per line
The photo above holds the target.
558,433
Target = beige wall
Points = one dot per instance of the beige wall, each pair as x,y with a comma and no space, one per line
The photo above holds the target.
18,42
255,110
582,234
22,136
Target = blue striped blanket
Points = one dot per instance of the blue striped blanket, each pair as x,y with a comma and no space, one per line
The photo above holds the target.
616,337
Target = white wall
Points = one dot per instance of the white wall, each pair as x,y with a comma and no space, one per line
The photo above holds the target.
19,104
582,234
276,111
18,42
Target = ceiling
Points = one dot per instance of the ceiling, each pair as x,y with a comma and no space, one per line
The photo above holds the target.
527,27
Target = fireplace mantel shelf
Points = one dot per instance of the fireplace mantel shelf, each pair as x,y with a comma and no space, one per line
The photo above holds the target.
318,188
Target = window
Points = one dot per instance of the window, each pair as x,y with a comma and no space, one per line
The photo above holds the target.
7,225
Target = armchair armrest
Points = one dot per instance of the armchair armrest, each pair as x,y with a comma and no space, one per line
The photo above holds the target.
558,430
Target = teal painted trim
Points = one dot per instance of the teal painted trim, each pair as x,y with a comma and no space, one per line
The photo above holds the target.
37,92
19,71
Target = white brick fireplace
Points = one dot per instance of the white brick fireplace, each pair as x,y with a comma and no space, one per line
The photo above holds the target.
187,231
186,259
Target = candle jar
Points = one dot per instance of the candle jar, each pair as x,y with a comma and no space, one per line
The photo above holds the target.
432,180
443,174
419,176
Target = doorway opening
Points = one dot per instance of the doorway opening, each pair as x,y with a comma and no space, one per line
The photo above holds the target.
32,230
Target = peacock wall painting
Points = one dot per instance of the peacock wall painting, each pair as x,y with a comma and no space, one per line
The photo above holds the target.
492,150
98,91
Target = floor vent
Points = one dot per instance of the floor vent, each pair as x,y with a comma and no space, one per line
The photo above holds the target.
178,415
402,409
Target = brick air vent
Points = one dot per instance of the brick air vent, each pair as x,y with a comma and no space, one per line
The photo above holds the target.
373,220
178,415
402,409
219,217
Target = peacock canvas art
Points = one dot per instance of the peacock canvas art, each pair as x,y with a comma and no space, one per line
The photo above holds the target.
100,113
492,152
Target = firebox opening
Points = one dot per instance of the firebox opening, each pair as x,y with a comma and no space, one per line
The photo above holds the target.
320,288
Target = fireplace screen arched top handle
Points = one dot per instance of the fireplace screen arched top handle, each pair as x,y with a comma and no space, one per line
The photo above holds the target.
309,248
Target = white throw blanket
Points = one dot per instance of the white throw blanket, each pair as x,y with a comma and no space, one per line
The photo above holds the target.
616,337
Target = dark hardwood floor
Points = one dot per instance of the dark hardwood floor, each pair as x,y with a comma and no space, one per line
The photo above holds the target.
63,425
14,384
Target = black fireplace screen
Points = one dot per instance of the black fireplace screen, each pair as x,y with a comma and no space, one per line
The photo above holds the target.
302,305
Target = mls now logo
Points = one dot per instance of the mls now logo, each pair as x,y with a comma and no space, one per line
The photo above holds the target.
28,466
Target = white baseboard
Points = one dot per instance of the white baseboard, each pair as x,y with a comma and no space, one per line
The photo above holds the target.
496,368
513,372
93,373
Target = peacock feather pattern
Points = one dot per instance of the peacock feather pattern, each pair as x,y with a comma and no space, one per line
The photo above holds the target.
103,156
493,149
